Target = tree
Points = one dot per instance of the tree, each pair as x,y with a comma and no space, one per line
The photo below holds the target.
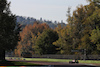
95,37
91,22
81,23
9,35
44,43
64,42
28,38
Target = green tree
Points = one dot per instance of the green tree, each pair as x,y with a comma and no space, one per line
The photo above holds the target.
64,42
95,37
44,43
9,35
81,23
91,22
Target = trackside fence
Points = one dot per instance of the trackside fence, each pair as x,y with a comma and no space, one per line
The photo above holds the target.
79,57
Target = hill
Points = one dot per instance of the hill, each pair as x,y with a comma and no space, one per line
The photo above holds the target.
29,20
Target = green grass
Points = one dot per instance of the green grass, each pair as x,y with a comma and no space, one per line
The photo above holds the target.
56,60
89,61
42,59
47,59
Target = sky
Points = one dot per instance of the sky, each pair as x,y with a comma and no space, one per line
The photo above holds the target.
53,10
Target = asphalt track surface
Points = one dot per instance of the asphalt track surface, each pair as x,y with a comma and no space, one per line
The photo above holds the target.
54,64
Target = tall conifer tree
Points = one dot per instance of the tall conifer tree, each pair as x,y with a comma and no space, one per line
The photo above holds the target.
8,33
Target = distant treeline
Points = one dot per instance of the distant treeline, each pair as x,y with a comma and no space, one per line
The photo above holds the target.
29,20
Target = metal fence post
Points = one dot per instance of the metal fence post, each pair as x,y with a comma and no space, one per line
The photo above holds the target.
84,54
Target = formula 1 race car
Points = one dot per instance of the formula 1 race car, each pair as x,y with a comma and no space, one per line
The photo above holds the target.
74,61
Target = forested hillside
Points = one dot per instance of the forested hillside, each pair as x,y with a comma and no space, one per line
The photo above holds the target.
29,20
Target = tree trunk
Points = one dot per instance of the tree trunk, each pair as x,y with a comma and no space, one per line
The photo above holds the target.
2,54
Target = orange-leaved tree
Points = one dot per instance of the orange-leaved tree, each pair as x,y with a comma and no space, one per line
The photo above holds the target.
28,38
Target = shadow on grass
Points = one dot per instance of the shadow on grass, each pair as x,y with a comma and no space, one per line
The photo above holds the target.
13,63
4,62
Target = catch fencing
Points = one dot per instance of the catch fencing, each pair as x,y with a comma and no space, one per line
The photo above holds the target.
79,57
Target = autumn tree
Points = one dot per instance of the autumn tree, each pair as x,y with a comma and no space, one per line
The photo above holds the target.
28,38
9,35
